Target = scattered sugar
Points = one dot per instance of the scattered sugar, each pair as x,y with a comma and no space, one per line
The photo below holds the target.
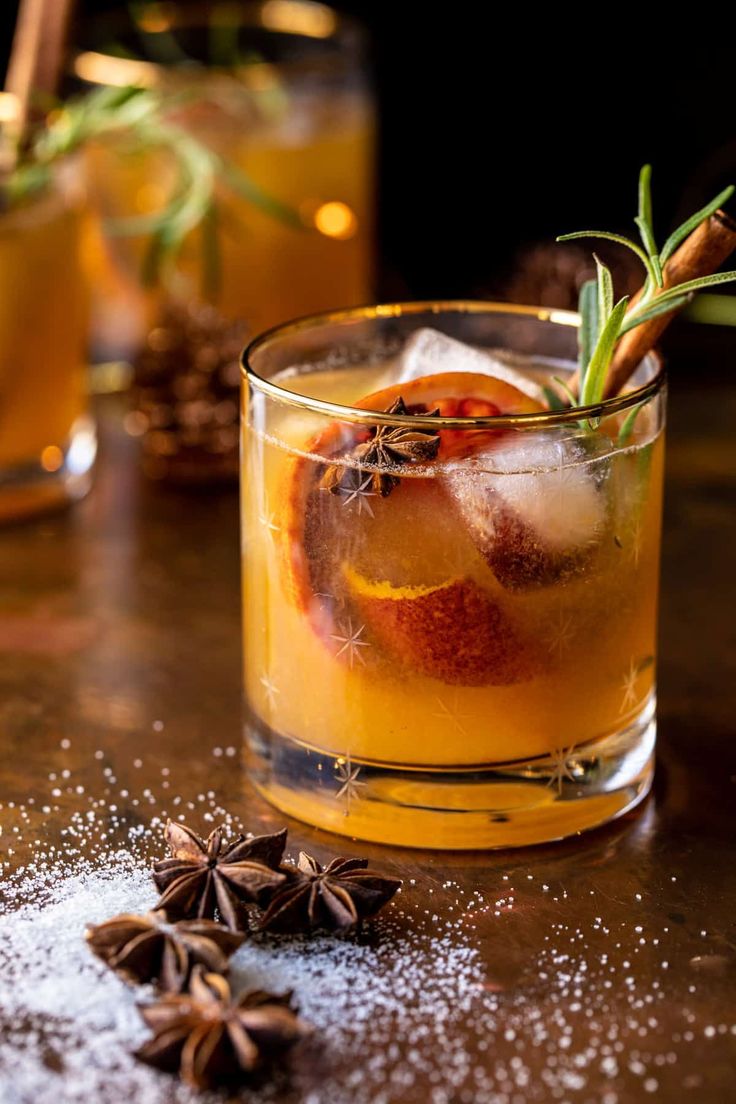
64,1016
415,1001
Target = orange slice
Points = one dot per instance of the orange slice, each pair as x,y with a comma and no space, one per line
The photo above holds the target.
457,395
455,632
412,538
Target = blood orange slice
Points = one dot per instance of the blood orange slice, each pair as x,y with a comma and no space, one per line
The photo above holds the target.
409,536
455,631
457,395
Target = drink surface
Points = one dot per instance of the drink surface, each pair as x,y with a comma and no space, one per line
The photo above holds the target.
492,608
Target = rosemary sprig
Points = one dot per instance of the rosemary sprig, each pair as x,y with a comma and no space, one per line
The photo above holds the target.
141,116
603,324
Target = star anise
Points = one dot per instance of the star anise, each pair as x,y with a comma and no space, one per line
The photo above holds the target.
387,447
214,874
336,897
152,948
212,1038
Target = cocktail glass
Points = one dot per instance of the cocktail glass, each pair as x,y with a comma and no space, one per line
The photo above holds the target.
47,437
447,645
280,90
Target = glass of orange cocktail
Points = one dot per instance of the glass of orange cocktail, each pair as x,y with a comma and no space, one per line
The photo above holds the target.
47,438
450,590
285,100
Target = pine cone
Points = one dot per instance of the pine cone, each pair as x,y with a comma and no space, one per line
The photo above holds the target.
185,395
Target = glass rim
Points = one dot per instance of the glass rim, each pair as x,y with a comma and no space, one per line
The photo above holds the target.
362,416
308,19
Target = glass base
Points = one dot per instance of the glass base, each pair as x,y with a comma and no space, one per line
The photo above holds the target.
57,477
508,804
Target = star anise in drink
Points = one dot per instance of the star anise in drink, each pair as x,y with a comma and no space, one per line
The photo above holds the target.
335,897
203,876
213,1038
152,948
387,447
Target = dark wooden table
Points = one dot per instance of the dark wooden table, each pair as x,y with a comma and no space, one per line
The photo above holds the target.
120,644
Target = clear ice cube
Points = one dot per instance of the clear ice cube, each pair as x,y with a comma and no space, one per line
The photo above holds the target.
550,482
428,352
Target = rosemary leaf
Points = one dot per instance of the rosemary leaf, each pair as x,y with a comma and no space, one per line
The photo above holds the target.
604,288
698,284
595,377
628,425
566,389
645,198
243,186
687,227
588,331
25,182
189,206
652,309
618,238
674,298
644,222
554,402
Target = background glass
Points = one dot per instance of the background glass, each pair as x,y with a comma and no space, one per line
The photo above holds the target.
280,90
47,437
417,671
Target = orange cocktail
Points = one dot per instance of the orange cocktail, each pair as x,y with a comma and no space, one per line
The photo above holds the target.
292,112
47,440
450,592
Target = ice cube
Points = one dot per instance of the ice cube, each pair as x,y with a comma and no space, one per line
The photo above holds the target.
536,505
428,352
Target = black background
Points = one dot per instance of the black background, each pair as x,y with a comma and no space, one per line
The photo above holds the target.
500,130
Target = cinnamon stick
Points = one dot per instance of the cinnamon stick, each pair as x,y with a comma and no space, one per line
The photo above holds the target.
37,53
701,254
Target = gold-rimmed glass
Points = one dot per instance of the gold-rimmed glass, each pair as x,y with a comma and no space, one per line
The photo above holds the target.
468,662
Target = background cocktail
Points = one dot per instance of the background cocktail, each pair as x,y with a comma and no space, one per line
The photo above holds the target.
468,660
290,109
47,442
